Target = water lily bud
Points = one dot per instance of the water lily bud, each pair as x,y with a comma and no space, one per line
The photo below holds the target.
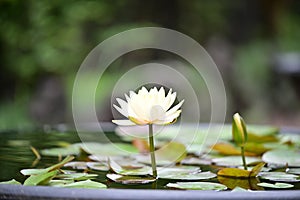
239,131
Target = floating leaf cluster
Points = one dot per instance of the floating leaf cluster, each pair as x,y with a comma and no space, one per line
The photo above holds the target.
273,162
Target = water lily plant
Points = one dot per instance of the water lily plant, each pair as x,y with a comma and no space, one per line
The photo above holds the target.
148,108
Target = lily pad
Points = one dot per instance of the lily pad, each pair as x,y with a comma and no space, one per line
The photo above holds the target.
234,161
76,165
27,172
130,179
197,186
11,182
228,149
254,138
276,185
59,183
170,153
109,149
88,184
145,170
77,176
241,173
255,148
40,179
234,172
195,161
279,176
282,157
173,151
186,175
99,166
293,171
73,149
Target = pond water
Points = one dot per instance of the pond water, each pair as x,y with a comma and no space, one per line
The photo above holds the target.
16,154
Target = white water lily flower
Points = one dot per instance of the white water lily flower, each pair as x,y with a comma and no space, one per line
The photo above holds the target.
148,107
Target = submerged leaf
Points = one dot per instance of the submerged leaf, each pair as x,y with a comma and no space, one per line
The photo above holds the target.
276,185
197,186
130,179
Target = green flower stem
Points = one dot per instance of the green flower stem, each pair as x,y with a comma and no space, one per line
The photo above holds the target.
243,157
152,149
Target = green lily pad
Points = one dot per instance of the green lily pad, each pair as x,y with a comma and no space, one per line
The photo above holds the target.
40,179
186,175
27,172
262,130
282,157
145,170
276,185
279,176
11,182
293,171
179,169
99,166
109,149
59,183
197,186
173,152
234,161
130,179
73,149
77,176
170,153
76,165
195,161
88,184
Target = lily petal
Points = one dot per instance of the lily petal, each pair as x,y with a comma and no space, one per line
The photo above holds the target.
175,108
123,122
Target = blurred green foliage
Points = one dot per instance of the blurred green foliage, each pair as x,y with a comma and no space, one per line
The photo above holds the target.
46,38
